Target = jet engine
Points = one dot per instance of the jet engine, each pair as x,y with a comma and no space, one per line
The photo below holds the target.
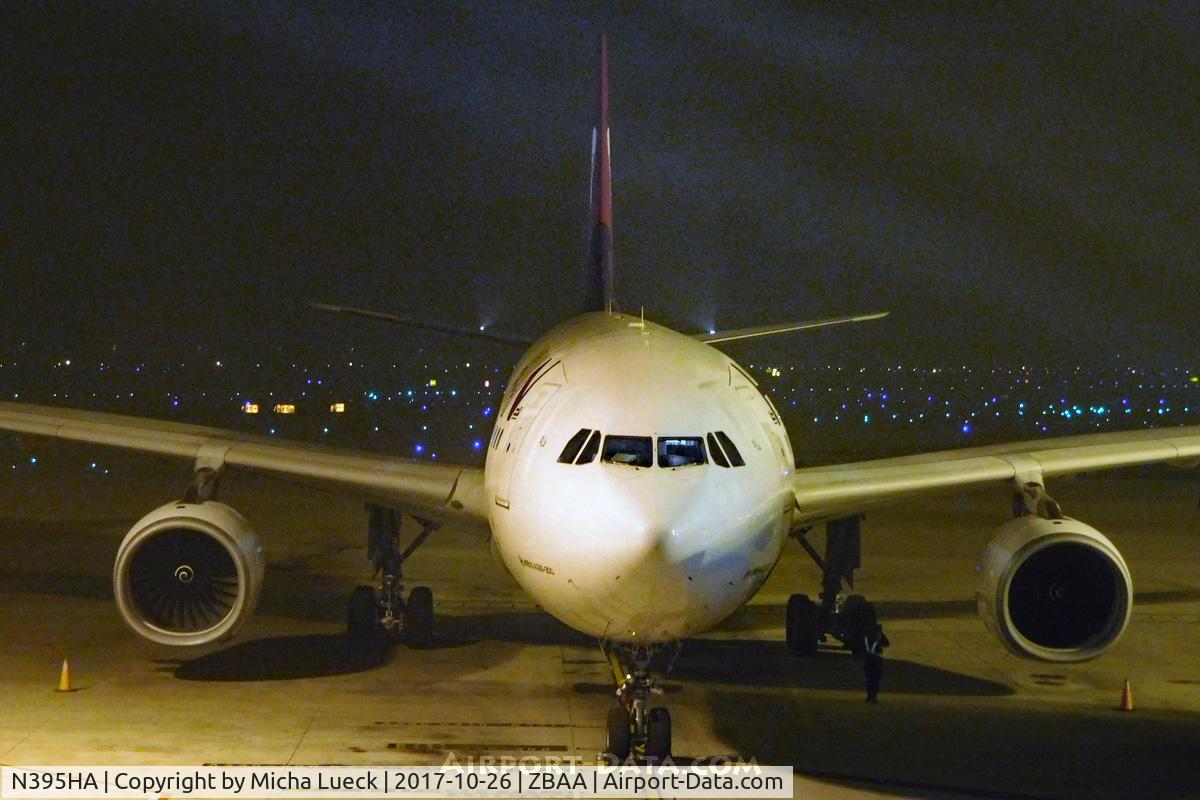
1054,589
188,573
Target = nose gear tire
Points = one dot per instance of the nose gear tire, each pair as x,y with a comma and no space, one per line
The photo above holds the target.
658,734
619,739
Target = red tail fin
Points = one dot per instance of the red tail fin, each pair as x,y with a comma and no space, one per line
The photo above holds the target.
600,245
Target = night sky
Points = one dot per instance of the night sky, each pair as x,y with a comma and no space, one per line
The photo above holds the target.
1017,185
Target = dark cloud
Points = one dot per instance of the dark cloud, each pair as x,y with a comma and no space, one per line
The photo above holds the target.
1016,184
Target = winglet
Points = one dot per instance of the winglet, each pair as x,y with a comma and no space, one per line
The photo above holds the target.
600,244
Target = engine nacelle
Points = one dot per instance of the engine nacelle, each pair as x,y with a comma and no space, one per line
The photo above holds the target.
188,573
1054,589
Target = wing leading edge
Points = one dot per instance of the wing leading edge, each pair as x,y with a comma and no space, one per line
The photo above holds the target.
440,491
841,490
714,337
413,322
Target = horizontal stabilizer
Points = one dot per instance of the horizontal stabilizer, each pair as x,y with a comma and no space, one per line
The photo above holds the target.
400,319
786,327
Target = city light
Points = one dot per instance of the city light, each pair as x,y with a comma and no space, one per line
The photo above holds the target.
985,404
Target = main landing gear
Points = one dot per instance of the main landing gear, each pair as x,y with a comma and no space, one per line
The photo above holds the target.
384,611
633,728
849,620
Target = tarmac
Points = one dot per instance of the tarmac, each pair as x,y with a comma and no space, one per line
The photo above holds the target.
958,717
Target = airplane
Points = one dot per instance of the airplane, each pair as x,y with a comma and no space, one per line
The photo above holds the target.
640,487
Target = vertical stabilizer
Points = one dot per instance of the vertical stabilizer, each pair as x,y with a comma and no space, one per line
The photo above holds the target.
600,241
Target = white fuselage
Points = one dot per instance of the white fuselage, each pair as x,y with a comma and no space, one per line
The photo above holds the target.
629,553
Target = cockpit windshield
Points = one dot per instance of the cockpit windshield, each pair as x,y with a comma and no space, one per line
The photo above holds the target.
715,449
573,445
735,458
638,451
635,451
588,454
680,451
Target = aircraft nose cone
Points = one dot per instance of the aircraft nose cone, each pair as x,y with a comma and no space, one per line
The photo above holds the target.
656,540
651,534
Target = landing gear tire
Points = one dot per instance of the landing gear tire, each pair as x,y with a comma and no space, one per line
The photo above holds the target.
619,740
362,619
418,617
658,734
858,618
803,625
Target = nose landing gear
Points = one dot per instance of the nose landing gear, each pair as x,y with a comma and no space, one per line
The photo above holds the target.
372,612
634,730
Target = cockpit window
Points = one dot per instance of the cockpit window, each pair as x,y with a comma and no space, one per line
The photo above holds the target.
735,458
590,449
636,451
573,444
714,450
680,451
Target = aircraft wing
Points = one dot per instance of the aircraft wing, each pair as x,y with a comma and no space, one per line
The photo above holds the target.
842,490
438,491
413,322
713,337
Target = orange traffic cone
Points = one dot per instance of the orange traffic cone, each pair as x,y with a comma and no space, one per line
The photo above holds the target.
64,678
1127,697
